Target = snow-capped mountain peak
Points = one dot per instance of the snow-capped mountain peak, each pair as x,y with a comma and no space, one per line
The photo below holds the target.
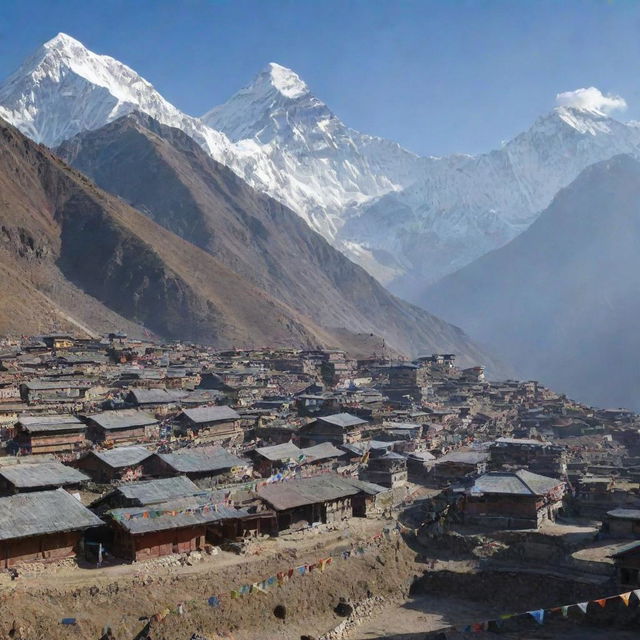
64,88
285,81
271,103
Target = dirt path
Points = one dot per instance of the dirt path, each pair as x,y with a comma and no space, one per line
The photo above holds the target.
303,545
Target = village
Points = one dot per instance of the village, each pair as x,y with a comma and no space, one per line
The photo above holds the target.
123,457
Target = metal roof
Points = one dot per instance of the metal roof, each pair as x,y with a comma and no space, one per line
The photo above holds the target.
303,491
155,396
278,452
464,457
321,451
153,491
37,424
122,419
201,415
188,513
44,474
122,456
343,420
521,482
43,512
46,385
202,460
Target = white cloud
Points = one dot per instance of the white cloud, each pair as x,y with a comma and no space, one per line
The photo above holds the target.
592,99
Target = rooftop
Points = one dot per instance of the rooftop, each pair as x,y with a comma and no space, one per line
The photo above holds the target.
202,460
344,420
154,491
278,452
123,419
201,415
122,456
303,491
175,514
38,424
44,474
521,482
43,512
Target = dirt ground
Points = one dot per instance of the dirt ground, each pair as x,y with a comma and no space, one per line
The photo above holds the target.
123,597
412,619
422,592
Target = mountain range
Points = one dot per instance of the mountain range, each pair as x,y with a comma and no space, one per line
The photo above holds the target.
562,299
74,257
408,220
271,190
164,173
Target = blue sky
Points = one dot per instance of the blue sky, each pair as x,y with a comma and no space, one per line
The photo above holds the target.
437,76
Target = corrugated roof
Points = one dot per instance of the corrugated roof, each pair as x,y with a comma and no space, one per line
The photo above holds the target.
277,452
303,491
122,419
153,491
43,512
344,420
44,474
211,414
519,483
202,460
46,385
123,456
156,396
321,451
464,457
39,424
183,518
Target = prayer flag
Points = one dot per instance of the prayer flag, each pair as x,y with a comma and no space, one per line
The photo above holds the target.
602,602
583,606
565,611
214,601
537,615
625,597
257,587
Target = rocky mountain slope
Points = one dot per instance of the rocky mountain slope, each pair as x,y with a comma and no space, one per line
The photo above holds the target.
408,220
562,299
162,172
74,257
